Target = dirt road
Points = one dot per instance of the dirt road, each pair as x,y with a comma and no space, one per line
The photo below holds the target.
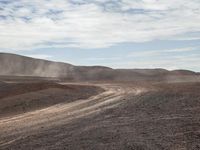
19,127
162,116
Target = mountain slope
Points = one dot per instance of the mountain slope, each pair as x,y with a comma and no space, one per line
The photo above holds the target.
16,65
11,64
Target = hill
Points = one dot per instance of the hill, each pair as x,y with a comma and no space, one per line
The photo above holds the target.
16,65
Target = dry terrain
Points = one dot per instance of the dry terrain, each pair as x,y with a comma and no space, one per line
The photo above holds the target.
46,105
100,116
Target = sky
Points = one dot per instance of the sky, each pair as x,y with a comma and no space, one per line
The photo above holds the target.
113,33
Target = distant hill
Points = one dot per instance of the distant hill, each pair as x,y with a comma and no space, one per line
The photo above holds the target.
16,65
11,64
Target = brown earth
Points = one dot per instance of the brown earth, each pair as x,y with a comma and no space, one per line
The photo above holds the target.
16,98
125,116
16,65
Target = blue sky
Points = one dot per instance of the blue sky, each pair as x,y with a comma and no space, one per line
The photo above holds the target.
114,33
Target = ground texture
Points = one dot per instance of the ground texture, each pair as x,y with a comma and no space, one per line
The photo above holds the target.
114,116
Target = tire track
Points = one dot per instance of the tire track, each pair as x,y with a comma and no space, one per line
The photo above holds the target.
32,122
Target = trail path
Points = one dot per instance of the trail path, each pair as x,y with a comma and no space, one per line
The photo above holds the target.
20,126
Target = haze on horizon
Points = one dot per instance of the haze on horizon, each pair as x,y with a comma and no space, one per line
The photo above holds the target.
114,33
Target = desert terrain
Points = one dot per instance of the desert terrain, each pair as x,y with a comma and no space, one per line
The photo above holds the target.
100,116
130,110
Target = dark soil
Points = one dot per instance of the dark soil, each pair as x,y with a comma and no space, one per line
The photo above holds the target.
16,98
165,118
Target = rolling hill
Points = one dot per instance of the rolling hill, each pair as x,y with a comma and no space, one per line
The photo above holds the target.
16,65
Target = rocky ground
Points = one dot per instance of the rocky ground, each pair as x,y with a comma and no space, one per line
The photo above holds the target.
99,116
16,98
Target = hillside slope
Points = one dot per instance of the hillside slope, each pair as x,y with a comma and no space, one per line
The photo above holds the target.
16,65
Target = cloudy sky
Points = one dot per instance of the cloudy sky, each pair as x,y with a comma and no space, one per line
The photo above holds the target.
115,33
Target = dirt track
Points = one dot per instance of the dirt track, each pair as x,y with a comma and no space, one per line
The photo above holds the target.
124,117
20,126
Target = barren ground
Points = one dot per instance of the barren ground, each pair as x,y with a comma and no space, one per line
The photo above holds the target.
94,116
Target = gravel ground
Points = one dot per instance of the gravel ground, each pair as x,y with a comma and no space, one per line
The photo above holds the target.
163,116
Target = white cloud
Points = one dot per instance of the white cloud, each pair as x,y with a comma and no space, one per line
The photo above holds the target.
160,52
94,24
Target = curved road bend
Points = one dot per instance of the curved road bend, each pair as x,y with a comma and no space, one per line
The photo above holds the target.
20,126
